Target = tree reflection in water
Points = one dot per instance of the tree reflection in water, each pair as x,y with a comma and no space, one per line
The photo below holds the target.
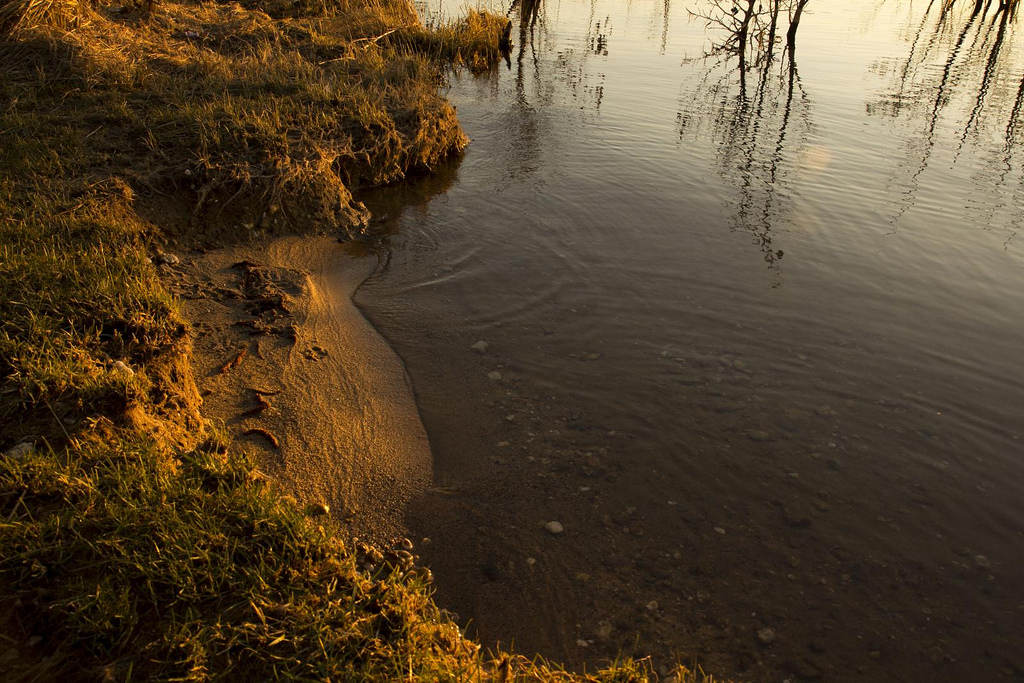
750,92
961,72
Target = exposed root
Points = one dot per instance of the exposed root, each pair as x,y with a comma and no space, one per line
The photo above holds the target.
265,434
233,363
262,404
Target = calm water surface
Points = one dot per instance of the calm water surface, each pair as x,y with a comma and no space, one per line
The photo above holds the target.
858,221
810,272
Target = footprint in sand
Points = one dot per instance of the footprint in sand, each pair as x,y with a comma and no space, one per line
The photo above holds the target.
315,353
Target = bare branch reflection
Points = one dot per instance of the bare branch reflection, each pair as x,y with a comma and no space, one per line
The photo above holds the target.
759,114
959,79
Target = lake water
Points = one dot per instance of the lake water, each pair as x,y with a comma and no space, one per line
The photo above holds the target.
758,335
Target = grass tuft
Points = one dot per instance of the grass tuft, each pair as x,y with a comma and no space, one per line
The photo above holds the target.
469,40
25,15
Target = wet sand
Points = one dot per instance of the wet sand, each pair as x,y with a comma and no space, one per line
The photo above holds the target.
315,378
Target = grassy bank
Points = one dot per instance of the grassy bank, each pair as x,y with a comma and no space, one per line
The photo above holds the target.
135,542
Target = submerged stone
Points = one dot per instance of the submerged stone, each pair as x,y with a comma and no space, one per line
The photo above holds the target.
554,528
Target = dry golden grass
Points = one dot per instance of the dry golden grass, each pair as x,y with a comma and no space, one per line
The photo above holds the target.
280,119
24,15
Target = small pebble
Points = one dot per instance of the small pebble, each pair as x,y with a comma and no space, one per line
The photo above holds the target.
480,346
982,561
766,636
494,376
758,435
531,561
167,259
120,366
318,509
652,605
719,530
554,528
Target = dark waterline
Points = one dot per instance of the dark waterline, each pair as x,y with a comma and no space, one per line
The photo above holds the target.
811,274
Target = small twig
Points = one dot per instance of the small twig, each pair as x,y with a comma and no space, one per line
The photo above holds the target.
369,41
383,35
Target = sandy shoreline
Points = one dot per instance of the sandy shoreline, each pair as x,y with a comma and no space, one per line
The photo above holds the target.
316,394
325,405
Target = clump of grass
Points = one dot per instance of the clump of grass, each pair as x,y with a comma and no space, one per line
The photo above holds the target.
253,124
186,569
21,15
469,40
76,298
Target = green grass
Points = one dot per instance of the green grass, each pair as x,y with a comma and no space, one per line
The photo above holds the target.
182,568
135,543
76,297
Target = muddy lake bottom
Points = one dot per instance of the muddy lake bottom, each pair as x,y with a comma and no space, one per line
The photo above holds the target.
772,542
